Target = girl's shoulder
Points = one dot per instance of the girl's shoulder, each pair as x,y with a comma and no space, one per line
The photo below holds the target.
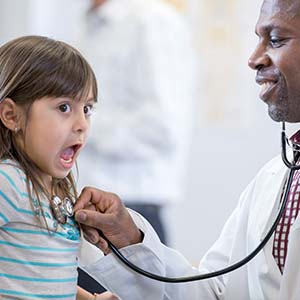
13,193
12,175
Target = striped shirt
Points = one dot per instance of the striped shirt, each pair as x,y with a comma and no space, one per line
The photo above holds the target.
34,263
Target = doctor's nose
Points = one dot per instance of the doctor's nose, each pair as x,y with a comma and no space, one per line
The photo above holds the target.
259,58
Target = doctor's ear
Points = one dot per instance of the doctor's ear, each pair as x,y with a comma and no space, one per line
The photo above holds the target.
10,114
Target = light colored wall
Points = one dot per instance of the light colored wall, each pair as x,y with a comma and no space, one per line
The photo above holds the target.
233,136
14,19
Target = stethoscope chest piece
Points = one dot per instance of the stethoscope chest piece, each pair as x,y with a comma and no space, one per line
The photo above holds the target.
62,208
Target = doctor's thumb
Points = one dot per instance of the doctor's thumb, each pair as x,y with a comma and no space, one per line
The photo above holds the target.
81,216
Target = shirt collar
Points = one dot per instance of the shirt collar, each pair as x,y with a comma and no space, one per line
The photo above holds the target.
295,138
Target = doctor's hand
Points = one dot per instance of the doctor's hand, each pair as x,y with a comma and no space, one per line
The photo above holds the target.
99,210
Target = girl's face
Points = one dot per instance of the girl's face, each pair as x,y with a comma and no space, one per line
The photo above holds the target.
54,134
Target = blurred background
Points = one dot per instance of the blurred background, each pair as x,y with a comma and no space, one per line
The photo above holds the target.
232,135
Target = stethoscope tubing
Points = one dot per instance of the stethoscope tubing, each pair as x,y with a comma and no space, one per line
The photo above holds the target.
292,168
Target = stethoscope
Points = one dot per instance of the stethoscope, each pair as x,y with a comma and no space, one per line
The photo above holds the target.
292,165
62,208
62,211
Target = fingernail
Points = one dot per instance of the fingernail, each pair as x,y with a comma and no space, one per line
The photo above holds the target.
93,238
90,237
81,216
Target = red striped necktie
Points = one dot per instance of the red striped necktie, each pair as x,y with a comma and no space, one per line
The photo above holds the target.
280,244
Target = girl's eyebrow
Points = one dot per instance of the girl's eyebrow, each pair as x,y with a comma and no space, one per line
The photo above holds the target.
70,98
90,100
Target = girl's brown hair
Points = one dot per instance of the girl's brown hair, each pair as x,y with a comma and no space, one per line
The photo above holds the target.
33,67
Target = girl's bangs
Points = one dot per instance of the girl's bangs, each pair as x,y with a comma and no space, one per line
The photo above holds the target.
49,68
72,78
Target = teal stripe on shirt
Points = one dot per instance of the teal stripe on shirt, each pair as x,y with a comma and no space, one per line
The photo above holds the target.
37,232
36,248
13,184
60,296
21,210
40,264
2,216
22,194
32,279
16,168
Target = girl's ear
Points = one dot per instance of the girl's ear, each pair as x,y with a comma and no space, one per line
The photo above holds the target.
10,114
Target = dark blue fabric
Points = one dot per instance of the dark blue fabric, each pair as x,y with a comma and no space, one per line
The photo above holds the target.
152,213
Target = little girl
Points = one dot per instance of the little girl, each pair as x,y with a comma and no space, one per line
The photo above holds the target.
47,93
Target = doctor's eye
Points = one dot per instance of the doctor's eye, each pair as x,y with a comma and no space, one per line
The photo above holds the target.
65,108
276,42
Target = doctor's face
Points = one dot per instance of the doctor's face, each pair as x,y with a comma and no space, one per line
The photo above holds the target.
97,3
277,58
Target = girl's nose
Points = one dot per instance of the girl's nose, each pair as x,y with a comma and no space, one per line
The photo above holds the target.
81,123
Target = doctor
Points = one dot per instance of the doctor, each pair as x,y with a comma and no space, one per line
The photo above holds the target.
275,272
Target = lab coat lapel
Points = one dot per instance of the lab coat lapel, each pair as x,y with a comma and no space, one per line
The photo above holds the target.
261,280
267,281
269,202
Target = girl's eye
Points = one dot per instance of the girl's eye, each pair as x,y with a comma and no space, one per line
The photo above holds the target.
88,109
65,108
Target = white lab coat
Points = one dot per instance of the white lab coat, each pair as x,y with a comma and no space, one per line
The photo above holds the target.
259,279
142,55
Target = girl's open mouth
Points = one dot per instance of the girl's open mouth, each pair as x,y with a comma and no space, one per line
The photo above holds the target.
68,154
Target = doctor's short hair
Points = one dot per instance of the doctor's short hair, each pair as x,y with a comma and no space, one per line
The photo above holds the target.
34,67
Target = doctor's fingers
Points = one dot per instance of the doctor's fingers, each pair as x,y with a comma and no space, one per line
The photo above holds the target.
103,200
92,236
117,226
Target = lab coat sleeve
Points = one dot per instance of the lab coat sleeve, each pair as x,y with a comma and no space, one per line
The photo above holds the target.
151,255
154,257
